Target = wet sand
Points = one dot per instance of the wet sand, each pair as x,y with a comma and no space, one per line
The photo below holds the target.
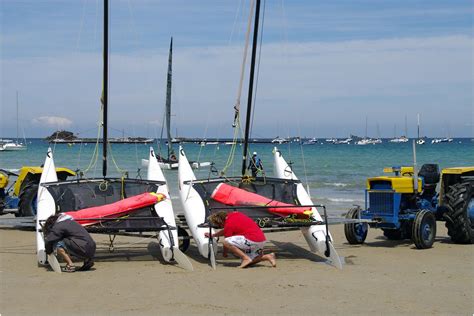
380,277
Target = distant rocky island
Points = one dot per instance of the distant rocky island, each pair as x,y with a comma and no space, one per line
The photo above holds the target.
63,135
68,137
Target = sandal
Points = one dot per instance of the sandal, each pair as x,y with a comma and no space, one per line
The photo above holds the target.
88,264
68,268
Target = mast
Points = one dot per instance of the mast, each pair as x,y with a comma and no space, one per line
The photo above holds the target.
105,88
366,122
168,99
249,101
17,118
418,125
406,126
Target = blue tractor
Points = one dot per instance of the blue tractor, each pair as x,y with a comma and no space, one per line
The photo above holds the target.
404,205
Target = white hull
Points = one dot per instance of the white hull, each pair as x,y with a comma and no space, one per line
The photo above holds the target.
13,147
163,209
194,210
314,235
46,206
174,166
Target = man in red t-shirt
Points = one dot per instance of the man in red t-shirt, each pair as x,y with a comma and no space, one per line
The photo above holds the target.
243,237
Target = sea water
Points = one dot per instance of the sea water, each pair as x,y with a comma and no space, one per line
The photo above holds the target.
335,174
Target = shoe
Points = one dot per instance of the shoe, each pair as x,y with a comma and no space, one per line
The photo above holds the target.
68,269
88,264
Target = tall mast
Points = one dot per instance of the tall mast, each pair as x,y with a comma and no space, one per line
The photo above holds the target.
168,99
249,101
366,122
17,118
418,125
105,88
406,126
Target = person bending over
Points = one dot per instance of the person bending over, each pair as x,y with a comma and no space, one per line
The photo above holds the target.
68,238
243,237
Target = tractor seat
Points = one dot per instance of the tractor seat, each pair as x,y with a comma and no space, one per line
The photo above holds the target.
430,175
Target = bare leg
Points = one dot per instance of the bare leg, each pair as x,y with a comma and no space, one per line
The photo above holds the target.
65,256
269,257
239,253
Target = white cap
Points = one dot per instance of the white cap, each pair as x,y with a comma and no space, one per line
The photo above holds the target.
254,153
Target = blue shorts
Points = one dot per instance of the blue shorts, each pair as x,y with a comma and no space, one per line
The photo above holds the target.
59,244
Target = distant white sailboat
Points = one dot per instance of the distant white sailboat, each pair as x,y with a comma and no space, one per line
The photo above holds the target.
419,141
401,139
14,145
279,140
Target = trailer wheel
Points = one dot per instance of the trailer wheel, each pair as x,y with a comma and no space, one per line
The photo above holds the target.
183,238
459,213
27,200
424,229
356,233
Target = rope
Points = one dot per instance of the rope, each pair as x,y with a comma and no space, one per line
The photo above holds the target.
95,153
121,171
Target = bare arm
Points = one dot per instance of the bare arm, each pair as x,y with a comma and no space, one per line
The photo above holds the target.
218,234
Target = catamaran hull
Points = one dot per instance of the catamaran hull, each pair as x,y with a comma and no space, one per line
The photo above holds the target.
194,210
165,209
45,206
314,235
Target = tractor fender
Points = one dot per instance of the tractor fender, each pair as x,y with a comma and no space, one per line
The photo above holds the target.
29,174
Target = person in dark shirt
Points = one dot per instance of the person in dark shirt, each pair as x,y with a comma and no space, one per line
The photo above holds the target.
243,237
255,165
68,238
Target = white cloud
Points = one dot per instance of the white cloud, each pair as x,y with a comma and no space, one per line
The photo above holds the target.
52,121
330,85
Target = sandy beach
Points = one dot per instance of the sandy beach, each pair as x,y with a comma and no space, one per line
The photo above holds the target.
380,277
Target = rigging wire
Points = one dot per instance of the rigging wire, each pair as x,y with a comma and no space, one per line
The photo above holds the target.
81,25
235,22
304,162
236,123
244,62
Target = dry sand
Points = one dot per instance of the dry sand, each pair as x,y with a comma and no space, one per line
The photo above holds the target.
380,277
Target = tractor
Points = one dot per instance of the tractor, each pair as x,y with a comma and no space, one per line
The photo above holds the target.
402,205
456,197
407,205
20,196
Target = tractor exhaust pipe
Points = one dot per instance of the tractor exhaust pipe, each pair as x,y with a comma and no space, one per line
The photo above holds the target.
415,173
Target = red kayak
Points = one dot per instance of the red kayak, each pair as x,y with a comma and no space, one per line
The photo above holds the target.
117,209
233,196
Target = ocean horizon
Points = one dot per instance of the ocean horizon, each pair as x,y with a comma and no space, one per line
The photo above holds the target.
334,174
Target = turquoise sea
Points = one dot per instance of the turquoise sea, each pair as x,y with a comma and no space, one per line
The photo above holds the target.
335,174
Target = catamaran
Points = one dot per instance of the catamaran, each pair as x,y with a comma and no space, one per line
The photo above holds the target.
111,205
273,202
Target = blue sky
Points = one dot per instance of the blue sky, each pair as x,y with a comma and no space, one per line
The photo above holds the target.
325,66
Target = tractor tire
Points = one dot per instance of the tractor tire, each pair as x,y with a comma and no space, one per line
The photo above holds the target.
424,229
27,204
459,198
183,239
356,233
